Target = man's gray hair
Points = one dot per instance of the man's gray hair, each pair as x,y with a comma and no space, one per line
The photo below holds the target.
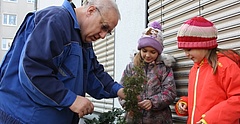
103,5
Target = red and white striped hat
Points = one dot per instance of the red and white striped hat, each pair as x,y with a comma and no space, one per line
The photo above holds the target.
197,33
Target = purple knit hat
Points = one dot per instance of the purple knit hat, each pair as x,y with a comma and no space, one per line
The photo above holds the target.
152,36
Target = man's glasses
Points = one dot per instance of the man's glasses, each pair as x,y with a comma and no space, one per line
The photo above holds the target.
105,27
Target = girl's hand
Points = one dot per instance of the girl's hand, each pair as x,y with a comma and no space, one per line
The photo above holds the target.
145,104
139,98
182,106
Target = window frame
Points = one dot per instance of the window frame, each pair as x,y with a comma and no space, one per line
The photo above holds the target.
6,43
30,1
11,0
8,19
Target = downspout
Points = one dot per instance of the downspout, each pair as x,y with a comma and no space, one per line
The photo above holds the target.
35,4
146,13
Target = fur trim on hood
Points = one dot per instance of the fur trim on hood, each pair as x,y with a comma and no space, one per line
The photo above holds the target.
167,59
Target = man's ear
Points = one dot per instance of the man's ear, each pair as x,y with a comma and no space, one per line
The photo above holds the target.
91,9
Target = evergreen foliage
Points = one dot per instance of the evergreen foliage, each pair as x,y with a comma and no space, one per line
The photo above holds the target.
108,117
133,86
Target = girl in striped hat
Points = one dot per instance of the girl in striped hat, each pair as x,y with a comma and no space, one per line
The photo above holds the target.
214,80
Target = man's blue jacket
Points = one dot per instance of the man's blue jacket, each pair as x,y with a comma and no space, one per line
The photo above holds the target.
47,66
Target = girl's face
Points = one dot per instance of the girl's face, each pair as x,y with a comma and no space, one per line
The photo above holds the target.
149,54
196,55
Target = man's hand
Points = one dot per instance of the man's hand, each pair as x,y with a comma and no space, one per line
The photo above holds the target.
82,106
121,94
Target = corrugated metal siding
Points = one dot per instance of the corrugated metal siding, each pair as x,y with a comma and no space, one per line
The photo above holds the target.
104,50
225,14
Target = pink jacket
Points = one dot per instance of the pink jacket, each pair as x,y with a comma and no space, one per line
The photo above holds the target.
214,98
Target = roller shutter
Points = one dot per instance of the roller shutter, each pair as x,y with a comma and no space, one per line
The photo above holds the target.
225,14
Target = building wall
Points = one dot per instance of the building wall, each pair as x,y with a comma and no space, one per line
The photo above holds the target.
19,8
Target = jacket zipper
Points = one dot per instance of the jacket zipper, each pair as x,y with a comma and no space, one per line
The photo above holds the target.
195,97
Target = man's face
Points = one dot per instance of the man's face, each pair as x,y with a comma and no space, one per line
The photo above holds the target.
99,24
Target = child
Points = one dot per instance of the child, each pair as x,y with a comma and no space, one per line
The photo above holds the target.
159,91
214,79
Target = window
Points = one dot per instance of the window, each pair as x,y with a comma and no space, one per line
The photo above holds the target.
10,0
6,43
30,1
9,19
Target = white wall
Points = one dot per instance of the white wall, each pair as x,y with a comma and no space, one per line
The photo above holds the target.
128,31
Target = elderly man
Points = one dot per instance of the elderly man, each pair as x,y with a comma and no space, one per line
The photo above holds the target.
51,65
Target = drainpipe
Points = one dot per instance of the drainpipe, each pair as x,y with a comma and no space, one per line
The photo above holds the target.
35,4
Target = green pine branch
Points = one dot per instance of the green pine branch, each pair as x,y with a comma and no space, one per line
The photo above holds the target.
133,86
109,117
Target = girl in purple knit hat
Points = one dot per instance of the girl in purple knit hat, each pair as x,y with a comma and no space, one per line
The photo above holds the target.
159,90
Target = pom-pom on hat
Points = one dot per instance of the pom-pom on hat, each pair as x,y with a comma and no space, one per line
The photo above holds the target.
198,33
152,37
